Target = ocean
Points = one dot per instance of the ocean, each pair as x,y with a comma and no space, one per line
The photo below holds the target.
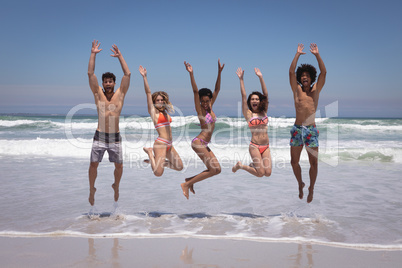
357,202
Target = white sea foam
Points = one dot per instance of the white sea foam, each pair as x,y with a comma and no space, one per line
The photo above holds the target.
357,246
80,148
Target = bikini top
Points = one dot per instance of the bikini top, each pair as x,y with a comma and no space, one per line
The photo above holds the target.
256,121
162,121
209,119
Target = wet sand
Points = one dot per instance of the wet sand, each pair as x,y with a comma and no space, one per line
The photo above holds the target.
183,252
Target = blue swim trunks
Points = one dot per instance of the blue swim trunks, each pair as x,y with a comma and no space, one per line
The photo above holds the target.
307,135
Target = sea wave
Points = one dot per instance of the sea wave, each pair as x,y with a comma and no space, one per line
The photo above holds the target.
237,150
188,122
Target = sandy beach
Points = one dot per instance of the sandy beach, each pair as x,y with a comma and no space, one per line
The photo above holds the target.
183,252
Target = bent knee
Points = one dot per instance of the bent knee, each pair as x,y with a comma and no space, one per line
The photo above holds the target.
93,165
216,170
118,166
294,162
158,174
260,175
180,167
314,164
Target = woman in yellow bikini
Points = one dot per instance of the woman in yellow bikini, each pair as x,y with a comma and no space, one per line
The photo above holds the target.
158,108
255,112
203,100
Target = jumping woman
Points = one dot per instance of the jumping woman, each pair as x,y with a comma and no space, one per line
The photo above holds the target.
255,112
203,100
158,108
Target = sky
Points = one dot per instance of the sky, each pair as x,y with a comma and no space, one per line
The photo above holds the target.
45,49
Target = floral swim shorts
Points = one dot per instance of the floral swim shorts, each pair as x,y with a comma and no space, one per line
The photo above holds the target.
307,135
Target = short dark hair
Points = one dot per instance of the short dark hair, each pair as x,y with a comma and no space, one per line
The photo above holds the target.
306,68
263,106
205,92
108,75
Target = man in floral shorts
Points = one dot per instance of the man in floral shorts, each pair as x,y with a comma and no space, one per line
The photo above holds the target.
307,135
304,132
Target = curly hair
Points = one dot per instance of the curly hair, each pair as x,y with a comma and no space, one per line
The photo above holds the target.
263,106
205,92
168,105
109,75
306,68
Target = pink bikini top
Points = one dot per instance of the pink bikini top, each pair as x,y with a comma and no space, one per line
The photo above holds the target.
256,121
209,119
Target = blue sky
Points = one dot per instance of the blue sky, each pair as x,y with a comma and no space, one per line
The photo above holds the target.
45,48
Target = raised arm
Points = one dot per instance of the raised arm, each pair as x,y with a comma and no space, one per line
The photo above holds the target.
323,71
151,108
197,104
244,106
125,81
93,81
292,69
218,82
263,86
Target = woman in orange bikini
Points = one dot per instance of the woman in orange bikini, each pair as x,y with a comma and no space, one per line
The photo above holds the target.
203,100
158,107
255,112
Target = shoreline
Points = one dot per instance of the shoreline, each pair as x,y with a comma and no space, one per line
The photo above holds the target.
184,252
128,236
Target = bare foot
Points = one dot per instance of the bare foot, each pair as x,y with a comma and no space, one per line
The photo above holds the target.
310,195
91,198
301,186
185,190
236,167
116,192
191,187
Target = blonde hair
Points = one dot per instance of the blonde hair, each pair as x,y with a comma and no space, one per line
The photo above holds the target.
168,106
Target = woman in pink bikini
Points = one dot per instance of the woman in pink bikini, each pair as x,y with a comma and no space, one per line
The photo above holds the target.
255,112
203,100
158,107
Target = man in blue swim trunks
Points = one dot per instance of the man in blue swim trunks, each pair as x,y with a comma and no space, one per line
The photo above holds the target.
109,104
304,132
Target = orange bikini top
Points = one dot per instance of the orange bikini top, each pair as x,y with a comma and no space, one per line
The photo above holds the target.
162,121
256,121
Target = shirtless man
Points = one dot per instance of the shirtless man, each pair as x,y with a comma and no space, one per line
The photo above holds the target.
108,104
304,132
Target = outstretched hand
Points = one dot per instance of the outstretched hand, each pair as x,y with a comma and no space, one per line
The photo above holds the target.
220,67
258,72
116,51
314,48
189,68
300,48
240,73
95,47
143,71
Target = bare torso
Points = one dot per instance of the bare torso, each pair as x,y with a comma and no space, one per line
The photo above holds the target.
306,105
109,111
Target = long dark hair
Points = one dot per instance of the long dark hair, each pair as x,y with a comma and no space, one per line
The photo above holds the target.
263,106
